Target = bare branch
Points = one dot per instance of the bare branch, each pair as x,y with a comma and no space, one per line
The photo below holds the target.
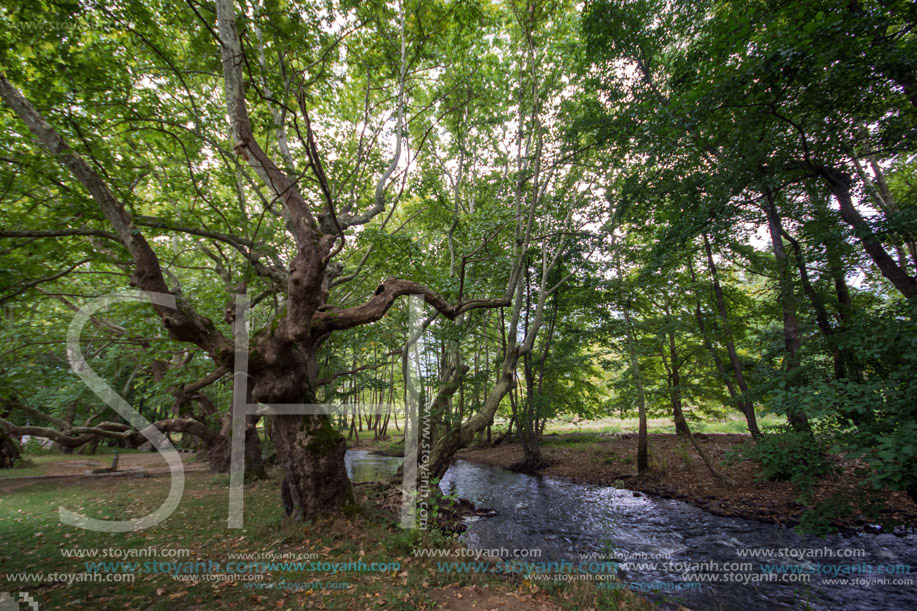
383,299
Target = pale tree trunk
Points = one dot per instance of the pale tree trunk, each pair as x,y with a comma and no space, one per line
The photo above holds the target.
530,146
459,437
282,364
885,201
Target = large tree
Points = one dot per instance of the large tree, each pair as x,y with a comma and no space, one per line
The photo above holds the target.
318,215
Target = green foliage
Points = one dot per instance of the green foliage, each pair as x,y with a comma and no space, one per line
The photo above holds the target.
819,520
33,447
789,456
647,130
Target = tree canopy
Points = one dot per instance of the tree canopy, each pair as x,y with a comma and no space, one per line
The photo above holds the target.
686,209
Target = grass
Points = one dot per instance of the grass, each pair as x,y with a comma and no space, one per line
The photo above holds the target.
571,440
734,423
32,539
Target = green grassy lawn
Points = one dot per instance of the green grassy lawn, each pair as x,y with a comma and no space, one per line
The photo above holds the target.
31,540
734,423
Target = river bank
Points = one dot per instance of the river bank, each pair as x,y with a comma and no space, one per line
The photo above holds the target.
678,472
48,560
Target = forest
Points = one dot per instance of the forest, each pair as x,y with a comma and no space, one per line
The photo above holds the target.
661,249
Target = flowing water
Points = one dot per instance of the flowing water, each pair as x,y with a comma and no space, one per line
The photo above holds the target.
658,541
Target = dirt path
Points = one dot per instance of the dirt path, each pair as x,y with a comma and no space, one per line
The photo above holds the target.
69,467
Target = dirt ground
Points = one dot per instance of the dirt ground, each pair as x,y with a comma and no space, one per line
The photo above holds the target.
149,464
678,472
459,598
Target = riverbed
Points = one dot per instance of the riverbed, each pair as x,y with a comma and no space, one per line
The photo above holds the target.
670,551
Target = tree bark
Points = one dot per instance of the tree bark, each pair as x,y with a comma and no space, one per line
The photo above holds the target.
282,362
839,183
219,450
745,405
643,463
458,437
796,418
839,358
9,451
674,378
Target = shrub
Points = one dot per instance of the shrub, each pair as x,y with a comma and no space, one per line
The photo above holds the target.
789,456
34,447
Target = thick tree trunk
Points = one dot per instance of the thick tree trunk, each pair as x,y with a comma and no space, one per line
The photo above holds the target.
309,448
219,450
312,452
9,451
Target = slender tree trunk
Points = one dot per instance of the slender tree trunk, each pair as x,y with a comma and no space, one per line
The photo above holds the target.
459,437
707,461
674,381
796,417
821,315
745,405
720,367
839,183
642,443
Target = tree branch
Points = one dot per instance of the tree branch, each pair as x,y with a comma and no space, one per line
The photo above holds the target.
38,281
386,294
183,323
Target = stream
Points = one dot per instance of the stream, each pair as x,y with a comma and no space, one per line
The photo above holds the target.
658,540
